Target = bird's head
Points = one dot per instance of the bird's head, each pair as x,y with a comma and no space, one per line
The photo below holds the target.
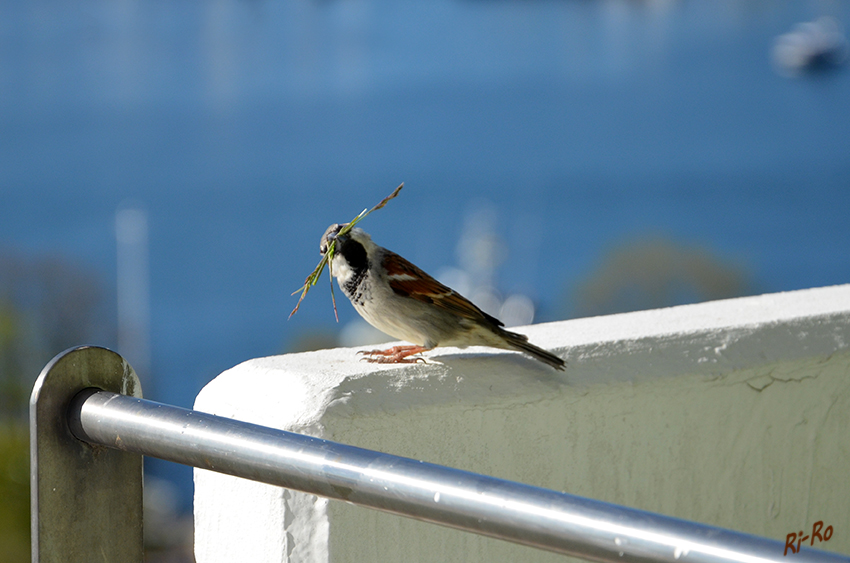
329,236
355,235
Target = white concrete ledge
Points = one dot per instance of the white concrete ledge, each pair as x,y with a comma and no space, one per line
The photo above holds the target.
732,413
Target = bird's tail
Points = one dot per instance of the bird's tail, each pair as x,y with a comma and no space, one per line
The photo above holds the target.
520,342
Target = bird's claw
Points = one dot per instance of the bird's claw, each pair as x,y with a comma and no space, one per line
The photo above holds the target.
394,355
392,360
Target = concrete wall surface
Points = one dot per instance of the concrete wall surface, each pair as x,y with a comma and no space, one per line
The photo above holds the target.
733,413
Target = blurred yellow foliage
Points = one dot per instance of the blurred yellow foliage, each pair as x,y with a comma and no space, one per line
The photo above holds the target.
655,272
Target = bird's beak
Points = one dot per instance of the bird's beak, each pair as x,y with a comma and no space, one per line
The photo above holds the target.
329,238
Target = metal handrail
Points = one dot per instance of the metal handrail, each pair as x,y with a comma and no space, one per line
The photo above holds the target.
476,503
511,511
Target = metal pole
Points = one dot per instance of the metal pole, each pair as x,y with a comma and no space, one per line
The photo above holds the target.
86,499
485,505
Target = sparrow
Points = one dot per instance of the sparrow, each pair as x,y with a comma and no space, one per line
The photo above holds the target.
398,298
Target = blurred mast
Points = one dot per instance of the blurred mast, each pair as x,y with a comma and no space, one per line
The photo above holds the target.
131,235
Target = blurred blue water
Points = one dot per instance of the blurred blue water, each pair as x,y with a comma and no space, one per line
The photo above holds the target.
246,127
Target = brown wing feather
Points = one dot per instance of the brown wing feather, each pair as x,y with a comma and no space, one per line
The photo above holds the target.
407,279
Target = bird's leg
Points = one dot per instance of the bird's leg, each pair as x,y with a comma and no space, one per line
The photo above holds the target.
394,355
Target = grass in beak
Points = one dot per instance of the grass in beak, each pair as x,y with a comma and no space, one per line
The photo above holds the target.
327,259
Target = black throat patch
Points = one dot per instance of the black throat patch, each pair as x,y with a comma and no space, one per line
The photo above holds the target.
358,261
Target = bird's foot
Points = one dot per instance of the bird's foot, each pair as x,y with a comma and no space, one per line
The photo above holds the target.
394,355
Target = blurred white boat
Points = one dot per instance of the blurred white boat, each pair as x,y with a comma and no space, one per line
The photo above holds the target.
815,45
